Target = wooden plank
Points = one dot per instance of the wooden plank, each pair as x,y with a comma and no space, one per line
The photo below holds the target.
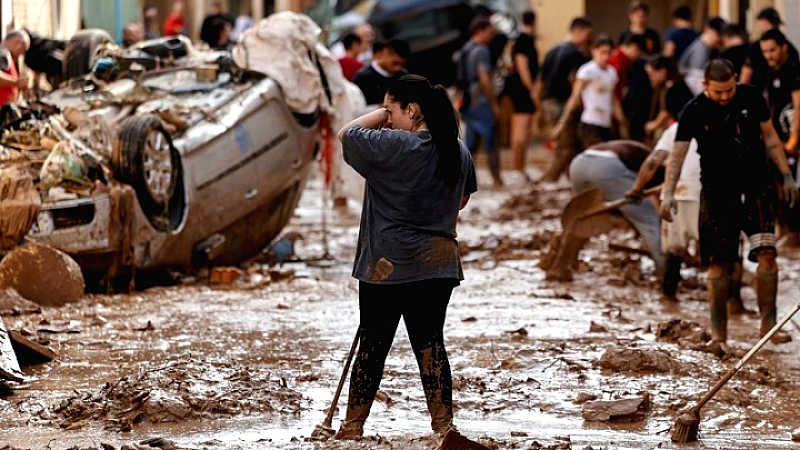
9,366
28,351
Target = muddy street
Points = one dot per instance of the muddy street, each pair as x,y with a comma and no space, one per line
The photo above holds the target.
536,364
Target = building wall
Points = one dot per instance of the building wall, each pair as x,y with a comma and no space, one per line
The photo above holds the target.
103,14
553,18
34,14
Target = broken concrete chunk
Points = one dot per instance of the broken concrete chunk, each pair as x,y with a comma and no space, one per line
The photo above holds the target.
630,409
225,275
42,274
30,352
638,360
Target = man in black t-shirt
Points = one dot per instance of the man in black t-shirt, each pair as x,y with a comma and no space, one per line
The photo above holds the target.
729,122
783,95
638,14
555,87
755,68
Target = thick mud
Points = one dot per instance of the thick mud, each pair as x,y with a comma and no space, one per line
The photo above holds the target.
255,365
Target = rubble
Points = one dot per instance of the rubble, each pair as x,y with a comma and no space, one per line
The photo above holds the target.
638,360
184,389
28,351
628,409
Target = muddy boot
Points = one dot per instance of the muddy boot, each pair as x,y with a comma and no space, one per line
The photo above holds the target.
718,290
365,379
766,286
735,304
494,167
672,276
434,369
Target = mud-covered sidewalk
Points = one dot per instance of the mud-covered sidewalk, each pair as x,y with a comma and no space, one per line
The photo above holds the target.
533,361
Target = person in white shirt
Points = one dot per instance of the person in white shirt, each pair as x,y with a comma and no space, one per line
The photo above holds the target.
594,88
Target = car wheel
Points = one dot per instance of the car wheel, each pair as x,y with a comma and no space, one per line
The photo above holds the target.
146,159
81,52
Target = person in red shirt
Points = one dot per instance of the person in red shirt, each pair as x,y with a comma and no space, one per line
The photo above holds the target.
623,58
350,63
175,24
13,46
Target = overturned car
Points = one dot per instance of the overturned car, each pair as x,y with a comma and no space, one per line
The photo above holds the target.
193,164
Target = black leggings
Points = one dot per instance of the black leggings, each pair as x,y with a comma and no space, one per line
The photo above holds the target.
422,305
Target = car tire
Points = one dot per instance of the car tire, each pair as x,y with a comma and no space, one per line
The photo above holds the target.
81,51
145,158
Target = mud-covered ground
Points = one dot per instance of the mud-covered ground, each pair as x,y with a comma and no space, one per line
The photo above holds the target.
255,365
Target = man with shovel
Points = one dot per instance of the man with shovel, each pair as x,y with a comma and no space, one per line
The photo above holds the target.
735,137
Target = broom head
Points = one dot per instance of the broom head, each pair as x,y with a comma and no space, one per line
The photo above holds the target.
686,427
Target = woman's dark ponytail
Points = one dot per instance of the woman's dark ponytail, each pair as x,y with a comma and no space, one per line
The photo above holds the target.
443,124
441,118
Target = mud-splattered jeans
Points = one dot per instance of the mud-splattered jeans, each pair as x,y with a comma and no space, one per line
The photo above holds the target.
422,305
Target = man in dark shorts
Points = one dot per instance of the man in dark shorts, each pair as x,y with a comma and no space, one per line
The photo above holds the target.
520,88
555,87
735,137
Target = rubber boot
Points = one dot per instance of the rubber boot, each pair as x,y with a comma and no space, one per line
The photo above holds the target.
766,286
437,382
672,276
735,304
718,290
365,379
494,167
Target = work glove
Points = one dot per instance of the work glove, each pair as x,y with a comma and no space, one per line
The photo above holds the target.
635,195
668,206
790,191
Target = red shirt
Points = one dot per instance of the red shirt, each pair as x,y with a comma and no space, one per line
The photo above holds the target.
9,94
350,66
623,66
174,26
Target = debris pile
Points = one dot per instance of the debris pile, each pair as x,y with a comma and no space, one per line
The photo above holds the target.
183,390
689,335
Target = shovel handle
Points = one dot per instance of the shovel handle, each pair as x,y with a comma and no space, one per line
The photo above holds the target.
335,400
614,204
746,357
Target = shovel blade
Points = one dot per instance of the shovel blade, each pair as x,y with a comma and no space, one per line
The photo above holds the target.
453,440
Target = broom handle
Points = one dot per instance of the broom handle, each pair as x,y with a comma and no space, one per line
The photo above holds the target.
747,357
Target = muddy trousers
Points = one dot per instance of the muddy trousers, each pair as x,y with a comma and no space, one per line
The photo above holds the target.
422,305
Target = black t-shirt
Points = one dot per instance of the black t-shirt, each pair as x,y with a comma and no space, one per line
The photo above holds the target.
737,55
560,65
677,96
732,154
755,59
780,85
525,46
651,37
374,85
